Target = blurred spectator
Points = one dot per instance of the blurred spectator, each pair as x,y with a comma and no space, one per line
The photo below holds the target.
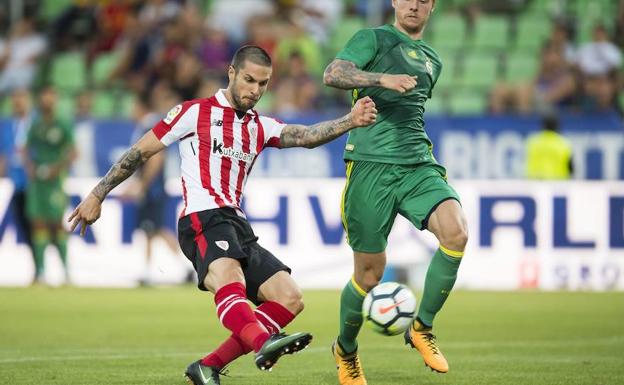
85,165
210,85
49,154
188,76
319,17
167,54
296,91
560,38
295,39
262,31
133,67
599,62
619,26
75,27
111,18
19,55
549,154
155,13
149,190
554,86
214,50
12,141
230,15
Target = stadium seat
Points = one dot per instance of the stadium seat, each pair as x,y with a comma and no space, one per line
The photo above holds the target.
479,70
449,31
50,9
5,108
126,103
104,105
521,66
449,68
491,32
436,105
103,66
467,102
68,71
531,32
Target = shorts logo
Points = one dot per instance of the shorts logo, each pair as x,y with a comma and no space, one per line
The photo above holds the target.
223,245
175,111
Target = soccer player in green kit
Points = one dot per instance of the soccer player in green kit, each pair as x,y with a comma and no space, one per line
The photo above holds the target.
390,171
49,153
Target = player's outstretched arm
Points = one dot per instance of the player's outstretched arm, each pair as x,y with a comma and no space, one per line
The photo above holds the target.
345,75
362,114
88,211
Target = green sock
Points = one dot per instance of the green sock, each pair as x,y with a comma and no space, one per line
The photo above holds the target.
440,279
60,241
350,315
40,242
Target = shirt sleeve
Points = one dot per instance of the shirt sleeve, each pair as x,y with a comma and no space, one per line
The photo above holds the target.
180,121
361,49
272,131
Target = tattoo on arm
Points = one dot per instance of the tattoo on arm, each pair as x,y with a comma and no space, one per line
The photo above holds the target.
345,75
126,166
296,135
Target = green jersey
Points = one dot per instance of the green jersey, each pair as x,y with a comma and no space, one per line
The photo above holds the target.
398,136
49,142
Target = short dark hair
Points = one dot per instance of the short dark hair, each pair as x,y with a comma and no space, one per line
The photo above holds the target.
252,53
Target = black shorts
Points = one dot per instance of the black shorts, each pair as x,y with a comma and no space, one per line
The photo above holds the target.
212,234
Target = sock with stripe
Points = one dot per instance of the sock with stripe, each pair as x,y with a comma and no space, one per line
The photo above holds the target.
350,315
271,314
439,282
236,315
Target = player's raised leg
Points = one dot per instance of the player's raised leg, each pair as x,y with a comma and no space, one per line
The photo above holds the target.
281,303
448,224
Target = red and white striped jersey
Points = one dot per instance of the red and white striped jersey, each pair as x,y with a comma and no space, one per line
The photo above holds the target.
217,149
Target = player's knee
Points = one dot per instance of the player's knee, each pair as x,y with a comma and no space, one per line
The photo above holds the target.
292,300
369,278
455,238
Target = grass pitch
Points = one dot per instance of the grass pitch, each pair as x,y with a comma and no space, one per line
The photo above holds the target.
149,336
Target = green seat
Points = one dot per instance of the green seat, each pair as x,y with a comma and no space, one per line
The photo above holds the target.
104,105
5,108
480,70
50,9
491,32
449,31
466,102
449,69
436,105
532,32
68,71
104,66
126,104
521,66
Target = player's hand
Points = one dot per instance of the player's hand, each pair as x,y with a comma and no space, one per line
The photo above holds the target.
399,83
363,112
87,212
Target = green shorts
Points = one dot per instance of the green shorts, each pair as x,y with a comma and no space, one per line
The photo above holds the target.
376,192
46,201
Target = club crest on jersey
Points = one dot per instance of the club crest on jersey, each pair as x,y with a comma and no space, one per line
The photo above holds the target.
220,149
429,67
223,245
175,111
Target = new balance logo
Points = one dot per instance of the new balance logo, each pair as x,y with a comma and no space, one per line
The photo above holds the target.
218,123
219,148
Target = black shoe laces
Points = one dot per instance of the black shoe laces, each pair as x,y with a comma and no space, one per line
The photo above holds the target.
353,366
430,340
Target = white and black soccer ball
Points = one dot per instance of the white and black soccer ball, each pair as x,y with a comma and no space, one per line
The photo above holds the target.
389,308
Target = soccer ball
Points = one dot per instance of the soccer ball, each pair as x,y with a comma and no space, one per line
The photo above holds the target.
389,308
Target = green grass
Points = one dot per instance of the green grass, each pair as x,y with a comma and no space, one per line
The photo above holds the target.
148,336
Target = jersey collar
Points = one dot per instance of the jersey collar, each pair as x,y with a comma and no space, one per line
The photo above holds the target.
222,100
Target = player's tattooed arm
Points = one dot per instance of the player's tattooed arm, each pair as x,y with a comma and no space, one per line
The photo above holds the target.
345,75
363,113
120,171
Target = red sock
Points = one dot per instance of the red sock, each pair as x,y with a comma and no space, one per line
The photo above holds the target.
236,315
269,314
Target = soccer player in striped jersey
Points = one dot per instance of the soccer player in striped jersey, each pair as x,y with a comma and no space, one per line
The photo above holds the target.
391,170
220,138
